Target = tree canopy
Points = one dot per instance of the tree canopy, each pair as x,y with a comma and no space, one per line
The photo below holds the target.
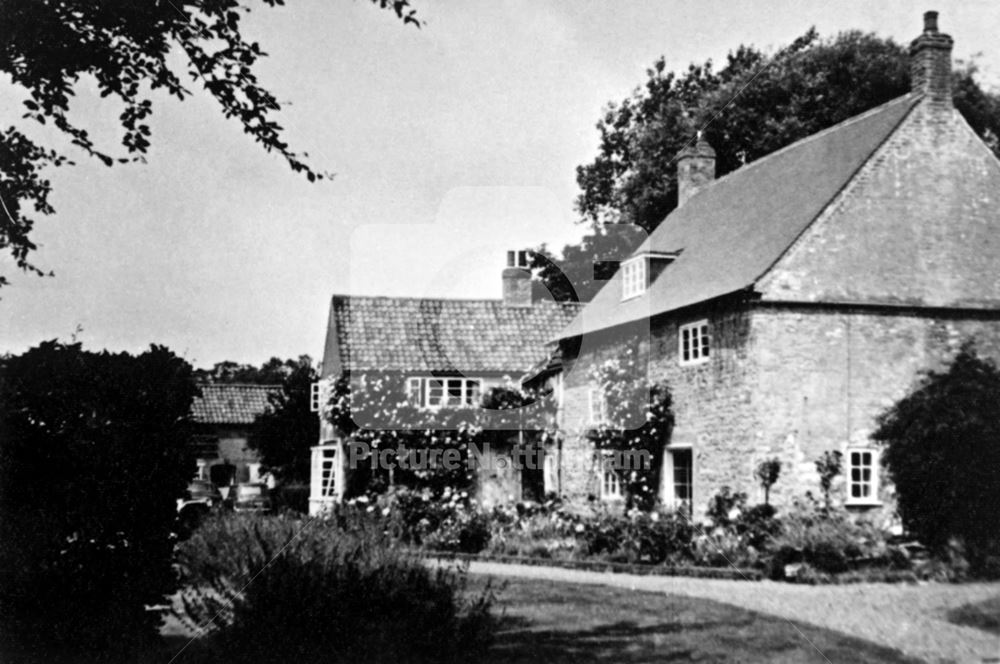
754,104
284,434
46,46
93,457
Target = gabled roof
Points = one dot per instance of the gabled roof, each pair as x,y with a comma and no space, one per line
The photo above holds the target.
231,403
733,231
439,335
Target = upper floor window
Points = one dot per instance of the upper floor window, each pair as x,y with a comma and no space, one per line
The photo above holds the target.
315,396
598,406
862,478
694,342
443,392
634,277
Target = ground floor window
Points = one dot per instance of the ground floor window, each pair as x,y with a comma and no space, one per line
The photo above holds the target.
862,478
680,476
611,479
324,472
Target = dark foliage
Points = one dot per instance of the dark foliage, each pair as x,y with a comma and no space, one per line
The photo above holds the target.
273,372
767,473
285,432
828,466
754,104
46,47
325,591
92,460
942,454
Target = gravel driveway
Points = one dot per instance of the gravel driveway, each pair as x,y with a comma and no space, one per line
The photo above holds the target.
910,618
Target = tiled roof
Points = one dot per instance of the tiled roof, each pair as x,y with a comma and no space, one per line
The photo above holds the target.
731,233
417,334
232,403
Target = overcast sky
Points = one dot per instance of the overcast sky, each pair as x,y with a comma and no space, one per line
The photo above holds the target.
450,144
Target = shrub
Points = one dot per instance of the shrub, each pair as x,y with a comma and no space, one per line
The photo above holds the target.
828,540
758,525
278,589
725,506
93,456
942,455
639,537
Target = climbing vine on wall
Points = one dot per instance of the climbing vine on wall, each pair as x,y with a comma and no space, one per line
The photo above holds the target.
637,424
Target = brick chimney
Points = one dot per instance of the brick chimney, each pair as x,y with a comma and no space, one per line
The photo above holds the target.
930,61
517,280
695,169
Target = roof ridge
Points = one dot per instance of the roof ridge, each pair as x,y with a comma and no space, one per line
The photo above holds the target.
260,385
543,302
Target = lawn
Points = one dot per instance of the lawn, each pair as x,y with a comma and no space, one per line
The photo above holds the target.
563,622
984,615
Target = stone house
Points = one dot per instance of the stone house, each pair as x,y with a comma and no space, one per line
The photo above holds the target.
224,416
790,302
445,353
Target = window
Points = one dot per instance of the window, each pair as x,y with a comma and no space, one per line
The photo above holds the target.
633,277
314,397
611,481
681,476
598,406
694,341
443,392
324,471
862,478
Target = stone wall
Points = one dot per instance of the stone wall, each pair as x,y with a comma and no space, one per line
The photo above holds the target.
825,374
791,381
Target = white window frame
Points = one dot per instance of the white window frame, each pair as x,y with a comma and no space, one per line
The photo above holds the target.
670,485
612,483
315,396
861,482
597,406
436,392
635,277
694,343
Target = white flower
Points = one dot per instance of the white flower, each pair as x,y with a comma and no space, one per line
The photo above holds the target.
579,528
655,516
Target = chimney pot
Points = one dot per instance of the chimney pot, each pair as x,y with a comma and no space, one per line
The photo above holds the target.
930,21
695,169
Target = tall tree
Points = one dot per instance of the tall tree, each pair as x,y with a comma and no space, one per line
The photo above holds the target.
47,45
93,457
285,432
755,104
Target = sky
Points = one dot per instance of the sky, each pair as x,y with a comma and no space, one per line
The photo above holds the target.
450,144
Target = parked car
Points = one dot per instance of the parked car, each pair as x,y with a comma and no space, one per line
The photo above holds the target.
252,497
200,497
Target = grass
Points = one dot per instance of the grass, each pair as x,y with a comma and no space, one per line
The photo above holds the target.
981,615
563,622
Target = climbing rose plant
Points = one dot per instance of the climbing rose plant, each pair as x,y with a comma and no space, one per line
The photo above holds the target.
637,424
372,411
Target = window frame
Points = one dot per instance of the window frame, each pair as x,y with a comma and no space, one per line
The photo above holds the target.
595,395
700,347
635,277
872,481
437,392
616,483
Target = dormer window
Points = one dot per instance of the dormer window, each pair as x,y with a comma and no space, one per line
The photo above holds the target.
640,271
634,277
